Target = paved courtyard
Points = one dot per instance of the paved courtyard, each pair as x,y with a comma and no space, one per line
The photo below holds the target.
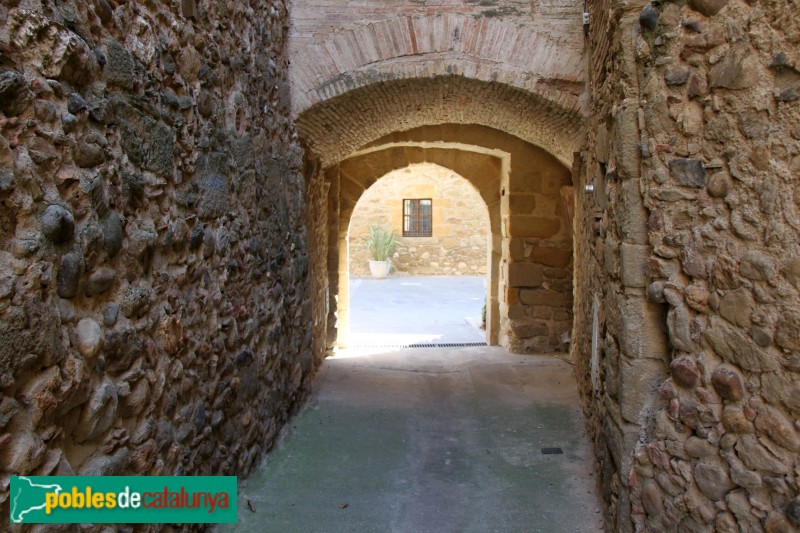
416,309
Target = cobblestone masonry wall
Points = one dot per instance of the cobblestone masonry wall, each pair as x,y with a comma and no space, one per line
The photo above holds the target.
154,308
460,223
691,248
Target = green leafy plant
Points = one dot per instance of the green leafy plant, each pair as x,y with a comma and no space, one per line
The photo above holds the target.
381,242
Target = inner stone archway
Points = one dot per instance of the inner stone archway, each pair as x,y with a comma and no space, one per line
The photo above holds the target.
486,170
439,280
528,193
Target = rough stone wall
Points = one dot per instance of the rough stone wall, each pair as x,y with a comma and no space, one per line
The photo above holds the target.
317,220
460,223
691,246
154,300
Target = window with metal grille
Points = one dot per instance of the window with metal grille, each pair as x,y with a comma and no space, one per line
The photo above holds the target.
417,219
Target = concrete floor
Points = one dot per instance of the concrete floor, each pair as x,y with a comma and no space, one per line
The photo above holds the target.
418,309
428,440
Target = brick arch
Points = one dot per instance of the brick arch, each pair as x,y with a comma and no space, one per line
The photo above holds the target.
335,128
335,48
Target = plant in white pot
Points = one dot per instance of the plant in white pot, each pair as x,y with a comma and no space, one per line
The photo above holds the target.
381,244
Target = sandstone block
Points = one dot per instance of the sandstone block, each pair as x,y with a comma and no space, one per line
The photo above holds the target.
533,226
627,138
544,297
621,441
638,325
528,329
639,381
525,274
631,217
553,257
633,264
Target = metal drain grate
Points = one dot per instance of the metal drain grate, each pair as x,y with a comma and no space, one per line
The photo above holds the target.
421,345
552,451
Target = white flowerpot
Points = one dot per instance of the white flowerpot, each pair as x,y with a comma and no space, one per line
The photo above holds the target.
379,269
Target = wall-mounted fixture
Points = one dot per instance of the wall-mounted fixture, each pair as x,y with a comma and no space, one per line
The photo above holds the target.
585,23
589,187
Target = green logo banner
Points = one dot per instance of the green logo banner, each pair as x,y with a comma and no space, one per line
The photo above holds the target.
123,499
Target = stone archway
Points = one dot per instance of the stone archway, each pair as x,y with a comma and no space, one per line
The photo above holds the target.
486,170
527,192
361,79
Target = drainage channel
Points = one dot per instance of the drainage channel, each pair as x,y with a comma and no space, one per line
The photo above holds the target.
420,345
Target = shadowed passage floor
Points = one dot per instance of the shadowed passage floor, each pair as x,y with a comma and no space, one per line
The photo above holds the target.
430,440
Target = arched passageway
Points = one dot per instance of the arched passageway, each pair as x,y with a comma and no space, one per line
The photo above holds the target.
438,284
528,194
484,169
174,179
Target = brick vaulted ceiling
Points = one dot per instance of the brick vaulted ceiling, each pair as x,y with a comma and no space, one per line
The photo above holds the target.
359,72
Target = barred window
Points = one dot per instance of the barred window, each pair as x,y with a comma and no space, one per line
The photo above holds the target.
417,219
